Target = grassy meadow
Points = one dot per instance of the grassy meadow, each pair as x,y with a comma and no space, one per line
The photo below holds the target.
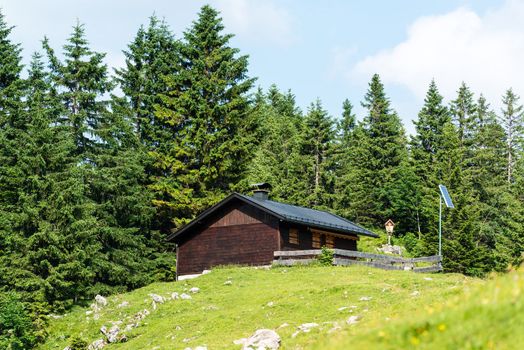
397,309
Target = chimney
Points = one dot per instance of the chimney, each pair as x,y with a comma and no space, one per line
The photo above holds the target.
261,190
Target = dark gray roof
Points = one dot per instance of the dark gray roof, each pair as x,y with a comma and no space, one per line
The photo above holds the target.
286,212
310,217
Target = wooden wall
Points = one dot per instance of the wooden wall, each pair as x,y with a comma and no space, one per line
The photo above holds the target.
238,234
306,239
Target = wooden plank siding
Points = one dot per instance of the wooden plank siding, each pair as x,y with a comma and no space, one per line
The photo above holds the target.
313,238
239,234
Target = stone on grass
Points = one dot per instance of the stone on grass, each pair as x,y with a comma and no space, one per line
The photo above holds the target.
415,293
123,304
194,290
353,320
262,339
100,300
336,327
365,298
228,283
175,296
157,298
112,334
428,278
270,304
304,328
390,249
185,296
97,344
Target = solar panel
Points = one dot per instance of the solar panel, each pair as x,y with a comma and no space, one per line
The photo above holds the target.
445,195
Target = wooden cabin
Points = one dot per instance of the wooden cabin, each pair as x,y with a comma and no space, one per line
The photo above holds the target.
246,230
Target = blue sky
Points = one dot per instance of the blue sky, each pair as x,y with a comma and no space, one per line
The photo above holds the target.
321,49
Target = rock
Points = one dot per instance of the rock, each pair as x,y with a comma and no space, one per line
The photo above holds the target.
194,290
365,298
100,300
390,249
336,327
123,304
228,283
185,296
428,278
270,304
130,327
153,305
304,328
353,319
262,339
89,312
111,333
415,293
201,348
97,344
342,308
283,325
175,296
157,298
95,307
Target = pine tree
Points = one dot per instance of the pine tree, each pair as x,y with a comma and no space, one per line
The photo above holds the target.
345,137
111,167
425,144
378,151
317,147
462,111
512,121
277,158
152,55
207,110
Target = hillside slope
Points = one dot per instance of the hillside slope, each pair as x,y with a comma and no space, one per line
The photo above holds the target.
397,310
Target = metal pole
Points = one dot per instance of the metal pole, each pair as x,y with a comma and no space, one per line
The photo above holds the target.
440,227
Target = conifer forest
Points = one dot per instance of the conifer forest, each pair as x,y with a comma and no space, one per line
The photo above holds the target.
99,164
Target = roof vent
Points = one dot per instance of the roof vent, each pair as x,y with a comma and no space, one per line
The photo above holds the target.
261,190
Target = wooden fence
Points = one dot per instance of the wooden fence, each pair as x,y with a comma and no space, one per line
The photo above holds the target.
344,257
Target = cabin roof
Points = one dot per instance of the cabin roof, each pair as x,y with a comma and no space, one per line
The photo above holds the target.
286,212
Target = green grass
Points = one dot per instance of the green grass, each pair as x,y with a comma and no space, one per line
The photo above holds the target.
220,313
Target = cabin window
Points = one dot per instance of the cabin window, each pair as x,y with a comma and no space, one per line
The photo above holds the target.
316,239
293,236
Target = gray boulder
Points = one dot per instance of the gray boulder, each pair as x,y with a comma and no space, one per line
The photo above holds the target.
262,339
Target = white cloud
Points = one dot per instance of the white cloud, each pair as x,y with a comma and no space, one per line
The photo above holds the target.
484,50
257,20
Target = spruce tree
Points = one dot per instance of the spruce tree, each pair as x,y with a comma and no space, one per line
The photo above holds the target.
378,151
462,111
424,146
317,147
512,120
277,158
345,136
150,57
110,166
207,111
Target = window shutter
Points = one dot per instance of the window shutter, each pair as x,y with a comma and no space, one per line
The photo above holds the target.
330,241
293,236
316,239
